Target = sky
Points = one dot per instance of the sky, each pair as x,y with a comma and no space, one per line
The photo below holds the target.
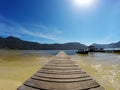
61,21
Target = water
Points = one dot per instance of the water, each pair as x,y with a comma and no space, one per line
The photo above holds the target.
103,67
112,49
17,66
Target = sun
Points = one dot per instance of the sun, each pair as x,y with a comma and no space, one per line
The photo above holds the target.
84,3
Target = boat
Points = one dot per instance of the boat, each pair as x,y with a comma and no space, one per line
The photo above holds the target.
82,51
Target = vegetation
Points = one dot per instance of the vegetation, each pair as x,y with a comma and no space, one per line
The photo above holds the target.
16,43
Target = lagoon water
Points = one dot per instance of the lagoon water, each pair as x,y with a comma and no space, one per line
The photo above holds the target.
16,66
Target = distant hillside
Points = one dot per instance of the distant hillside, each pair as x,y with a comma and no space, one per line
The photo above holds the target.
16,43
112,45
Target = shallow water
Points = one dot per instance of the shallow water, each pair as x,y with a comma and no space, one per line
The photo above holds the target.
103,67
18,66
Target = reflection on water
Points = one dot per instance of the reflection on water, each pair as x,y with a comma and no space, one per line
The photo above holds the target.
103,67
18,66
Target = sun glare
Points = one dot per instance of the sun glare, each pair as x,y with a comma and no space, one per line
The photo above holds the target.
84,3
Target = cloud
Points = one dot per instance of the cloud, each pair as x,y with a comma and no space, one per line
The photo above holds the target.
43,31
9,27
49,36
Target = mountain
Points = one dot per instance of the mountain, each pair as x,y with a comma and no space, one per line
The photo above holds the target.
16,43
112,45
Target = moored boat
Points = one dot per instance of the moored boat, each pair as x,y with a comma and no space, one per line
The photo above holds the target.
82,51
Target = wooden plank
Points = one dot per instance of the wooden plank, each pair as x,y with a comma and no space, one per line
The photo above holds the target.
97,88
26,87
60,62
61,76
61,68
61,65
56,85
61,73
61,80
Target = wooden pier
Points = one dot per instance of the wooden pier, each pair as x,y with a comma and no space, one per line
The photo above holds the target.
61,73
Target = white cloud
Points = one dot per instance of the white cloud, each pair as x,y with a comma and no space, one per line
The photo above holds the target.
9,27
49,36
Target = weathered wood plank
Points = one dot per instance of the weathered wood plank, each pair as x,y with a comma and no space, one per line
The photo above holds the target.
61,80
61,73
61,62
61,76
23,87
61,65
56,85
61,68
97,88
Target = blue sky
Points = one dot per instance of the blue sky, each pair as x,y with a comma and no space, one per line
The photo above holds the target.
59,21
